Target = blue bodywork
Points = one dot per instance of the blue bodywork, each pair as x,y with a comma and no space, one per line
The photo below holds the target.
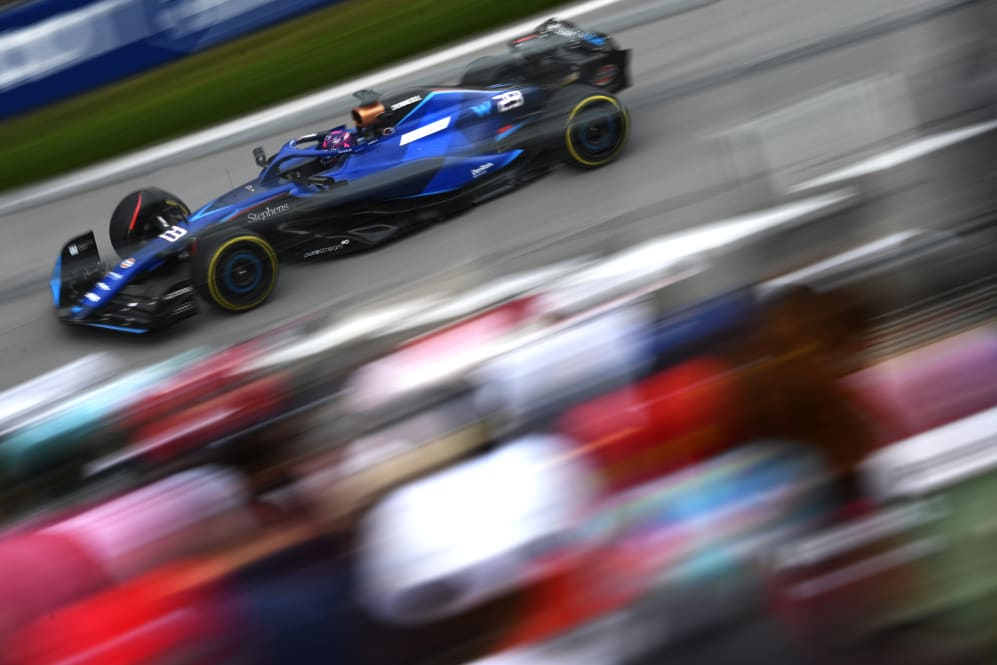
457,131
414,158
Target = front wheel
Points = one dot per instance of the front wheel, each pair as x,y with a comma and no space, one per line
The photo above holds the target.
597,127
235,271
141,216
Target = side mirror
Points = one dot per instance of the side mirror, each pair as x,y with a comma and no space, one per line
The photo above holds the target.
260,156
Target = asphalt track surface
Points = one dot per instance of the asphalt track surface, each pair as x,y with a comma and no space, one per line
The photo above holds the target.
731,107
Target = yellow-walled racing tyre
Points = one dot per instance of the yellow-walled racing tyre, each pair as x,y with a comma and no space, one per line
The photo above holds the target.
234,271
596,128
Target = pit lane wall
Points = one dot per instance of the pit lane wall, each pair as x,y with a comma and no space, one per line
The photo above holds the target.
53,49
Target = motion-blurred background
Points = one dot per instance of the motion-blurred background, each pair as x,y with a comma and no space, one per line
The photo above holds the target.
732,398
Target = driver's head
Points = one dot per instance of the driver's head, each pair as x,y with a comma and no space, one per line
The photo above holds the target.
338,139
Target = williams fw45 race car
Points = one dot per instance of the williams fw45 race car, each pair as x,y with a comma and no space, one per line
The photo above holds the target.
411,159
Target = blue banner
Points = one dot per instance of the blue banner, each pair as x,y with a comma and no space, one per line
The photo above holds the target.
53,49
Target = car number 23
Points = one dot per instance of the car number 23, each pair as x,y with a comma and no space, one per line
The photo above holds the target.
173,233
508,101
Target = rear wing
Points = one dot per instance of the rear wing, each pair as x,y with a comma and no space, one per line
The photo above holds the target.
567,31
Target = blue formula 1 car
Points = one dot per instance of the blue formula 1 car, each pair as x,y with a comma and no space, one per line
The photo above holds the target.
412,159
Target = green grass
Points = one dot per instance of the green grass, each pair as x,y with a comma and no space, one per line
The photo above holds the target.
297,57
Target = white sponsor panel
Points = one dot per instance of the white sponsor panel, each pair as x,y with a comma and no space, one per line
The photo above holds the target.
425,130
406,102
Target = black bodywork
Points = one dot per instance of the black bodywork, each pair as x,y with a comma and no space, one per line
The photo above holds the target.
556,53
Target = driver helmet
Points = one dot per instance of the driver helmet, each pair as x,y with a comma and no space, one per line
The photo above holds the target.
340,140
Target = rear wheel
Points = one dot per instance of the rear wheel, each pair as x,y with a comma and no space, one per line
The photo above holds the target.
596,128
236,271
143,215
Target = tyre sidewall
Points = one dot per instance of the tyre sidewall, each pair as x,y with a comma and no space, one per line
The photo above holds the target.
576,152
236,271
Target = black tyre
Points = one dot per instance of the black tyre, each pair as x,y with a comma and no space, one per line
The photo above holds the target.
234,271
596,127
143,215
490,70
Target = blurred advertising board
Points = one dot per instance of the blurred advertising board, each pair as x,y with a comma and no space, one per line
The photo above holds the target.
53,49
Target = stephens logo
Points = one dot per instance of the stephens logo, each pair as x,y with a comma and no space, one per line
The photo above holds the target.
269,212
481,170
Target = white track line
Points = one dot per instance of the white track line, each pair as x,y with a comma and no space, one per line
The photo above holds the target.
891,158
